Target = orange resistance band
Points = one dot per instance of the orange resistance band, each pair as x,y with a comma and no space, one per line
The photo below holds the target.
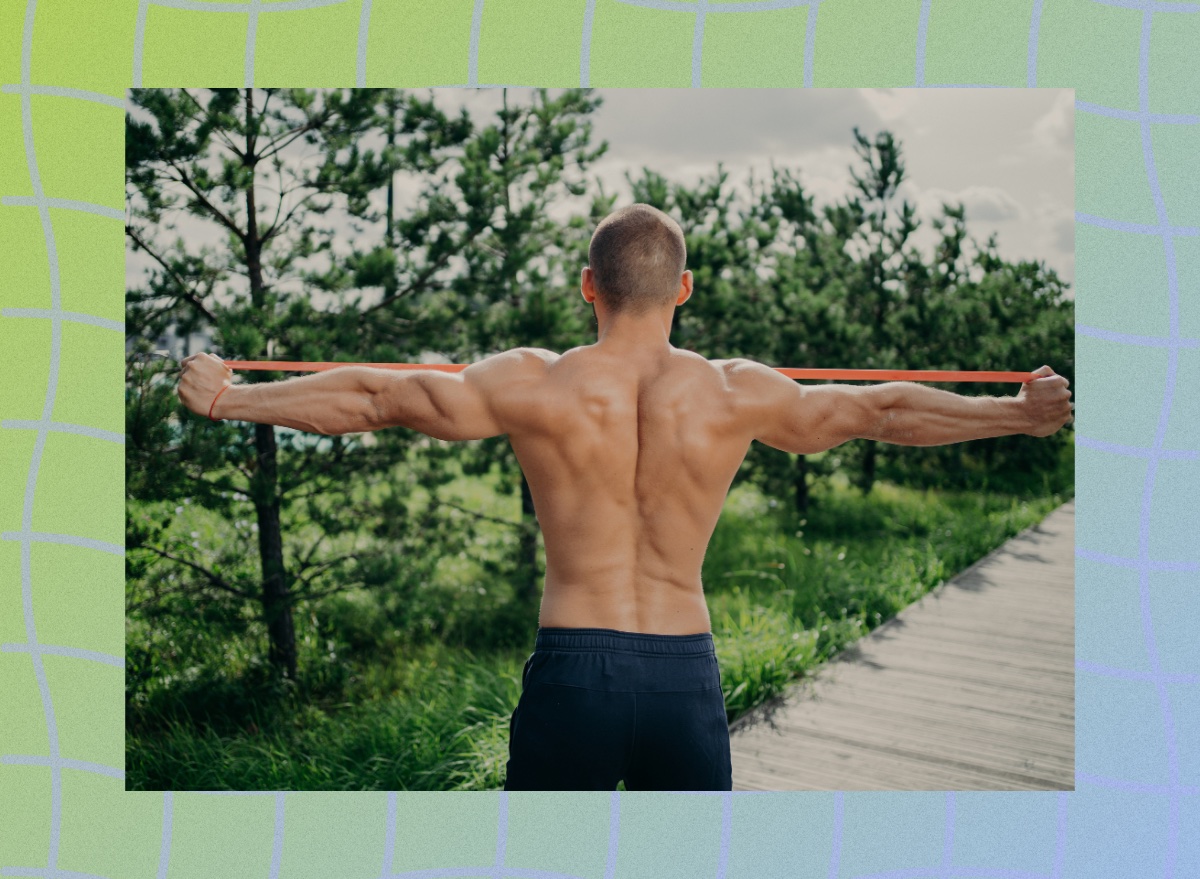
214,402
868,375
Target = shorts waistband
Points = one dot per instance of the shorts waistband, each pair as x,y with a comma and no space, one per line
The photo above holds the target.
614,641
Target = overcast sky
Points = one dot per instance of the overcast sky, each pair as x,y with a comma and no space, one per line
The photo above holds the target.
1007,154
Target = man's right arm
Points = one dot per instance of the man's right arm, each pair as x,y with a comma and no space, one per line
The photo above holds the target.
473,404
811,419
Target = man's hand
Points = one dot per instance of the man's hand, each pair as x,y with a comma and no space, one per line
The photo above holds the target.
201,378
1045,402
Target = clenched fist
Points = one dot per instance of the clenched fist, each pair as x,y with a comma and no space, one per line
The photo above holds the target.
202,377
1046,402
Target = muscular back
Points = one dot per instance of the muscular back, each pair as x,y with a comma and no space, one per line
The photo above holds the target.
628,463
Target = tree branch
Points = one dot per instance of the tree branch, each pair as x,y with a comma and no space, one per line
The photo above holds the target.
220,131
211,576
216,212
199,477
313,570
188,293
276,225
520,526
274,146
304,562
427,273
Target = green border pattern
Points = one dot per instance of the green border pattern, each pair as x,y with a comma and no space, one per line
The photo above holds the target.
64,65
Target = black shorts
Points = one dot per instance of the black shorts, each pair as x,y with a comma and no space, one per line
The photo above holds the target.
599,706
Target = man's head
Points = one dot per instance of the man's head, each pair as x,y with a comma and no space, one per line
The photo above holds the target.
636,261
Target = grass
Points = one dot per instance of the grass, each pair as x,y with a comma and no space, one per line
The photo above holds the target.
436,720
785,594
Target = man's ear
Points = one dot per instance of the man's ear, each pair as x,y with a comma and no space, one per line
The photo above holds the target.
587,285
685,288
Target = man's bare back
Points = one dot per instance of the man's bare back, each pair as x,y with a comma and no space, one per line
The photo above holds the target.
628,463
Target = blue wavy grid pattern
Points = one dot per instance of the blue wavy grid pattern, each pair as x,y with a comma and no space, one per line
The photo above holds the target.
1166,833
26,536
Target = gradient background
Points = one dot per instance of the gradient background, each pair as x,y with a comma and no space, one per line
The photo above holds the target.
64,65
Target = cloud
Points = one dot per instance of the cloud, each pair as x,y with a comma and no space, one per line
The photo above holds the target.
683,125
891,104
988,203
1064,235
1054,224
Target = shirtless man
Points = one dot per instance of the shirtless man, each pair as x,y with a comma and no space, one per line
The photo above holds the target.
629,447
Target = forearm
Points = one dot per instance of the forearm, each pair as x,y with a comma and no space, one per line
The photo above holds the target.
918,415
337,401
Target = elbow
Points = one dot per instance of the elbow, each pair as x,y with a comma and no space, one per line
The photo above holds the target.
363,416
890,427
881,418
367,412
326,427
877,426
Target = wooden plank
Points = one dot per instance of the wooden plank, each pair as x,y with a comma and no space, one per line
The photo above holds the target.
982,696
924,714
970,688
936,653
937,743
1014,776
1006,686
953,632
938,704
835,764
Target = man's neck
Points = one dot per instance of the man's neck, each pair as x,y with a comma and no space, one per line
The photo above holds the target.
635,335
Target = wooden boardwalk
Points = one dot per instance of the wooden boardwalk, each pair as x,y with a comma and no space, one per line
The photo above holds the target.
970,688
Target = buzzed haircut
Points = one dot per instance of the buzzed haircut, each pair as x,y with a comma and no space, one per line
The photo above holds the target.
637,257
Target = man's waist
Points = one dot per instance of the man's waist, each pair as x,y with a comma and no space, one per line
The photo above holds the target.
617,641
624,604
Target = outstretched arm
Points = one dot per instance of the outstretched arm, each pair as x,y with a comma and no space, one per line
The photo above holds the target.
351,399
811,419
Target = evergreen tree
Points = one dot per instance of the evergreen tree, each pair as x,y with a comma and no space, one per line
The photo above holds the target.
292,253
220,158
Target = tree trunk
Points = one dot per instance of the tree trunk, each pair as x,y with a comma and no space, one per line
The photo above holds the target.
800,482
527,568
276,600
391,142
868,471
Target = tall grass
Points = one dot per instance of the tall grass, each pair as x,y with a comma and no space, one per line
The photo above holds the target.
433,721
396,713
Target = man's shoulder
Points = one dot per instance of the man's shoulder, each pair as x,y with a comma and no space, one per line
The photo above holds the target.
516,367
741,369
533,357
738,379
517,361
753,384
